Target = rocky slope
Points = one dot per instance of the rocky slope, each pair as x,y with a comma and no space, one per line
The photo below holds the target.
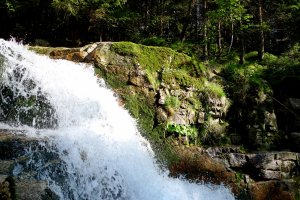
182,107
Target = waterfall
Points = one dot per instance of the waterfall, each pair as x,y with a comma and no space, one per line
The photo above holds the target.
103,154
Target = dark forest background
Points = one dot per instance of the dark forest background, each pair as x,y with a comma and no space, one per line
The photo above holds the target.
205,28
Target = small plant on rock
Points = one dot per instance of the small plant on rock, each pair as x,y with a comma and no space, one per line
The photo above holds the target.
186,133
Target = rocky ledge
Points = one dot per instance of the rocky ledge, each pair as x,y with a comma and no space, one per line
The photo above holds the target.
257,175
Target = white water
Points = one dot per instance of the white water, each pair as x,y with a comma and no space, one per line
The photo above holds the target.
105,156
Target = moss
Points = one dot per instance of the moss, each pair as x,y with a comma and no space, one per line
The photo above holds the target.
141,110
181,78
172,102
111,79
195,103
41,50
215,89
154,59
52,51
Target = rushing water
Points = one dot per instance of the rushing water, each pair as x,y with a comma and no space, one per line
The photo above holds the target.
104,155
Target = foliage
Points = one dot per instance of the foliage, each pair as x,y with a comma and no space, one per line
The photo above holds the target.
182,25
212,133
282,67
182,78
190,133
172,102
74,7
215,89
154,41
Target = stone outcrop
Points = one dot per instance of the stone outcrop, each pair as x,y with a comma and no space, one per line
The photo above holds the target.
259,176
163,82
160,87
259,166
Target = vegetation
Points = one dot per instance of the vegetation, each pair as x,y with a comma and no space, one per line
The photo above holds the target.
186,134
206,29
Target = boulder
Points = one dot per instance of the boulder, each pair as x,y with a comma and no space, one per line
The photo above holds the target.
18,179
237,160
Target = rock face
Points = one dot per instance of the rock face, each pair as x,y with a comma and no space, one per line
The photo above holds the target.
260,166
19,180
161,87
259,176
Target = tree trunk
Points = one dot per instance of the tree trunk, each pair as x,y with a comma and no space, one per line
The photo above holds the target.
187,21
219,39
231,40
261,33
242,49
242,45
205,49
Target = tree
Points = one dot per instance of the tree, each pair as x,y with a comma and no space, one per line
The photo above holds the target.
231,14
261,33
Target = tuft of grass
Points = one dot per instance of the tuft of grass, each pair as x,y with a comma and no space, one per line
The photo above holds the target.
172,102
215,89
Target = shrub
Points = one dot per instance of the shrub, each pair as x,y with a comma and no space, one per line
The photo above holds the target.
189,133
154,41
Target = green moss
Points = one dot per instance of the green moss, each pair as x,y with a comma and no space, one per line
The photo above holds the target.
181,78
110,78
195,103
154,59
141,110
215,89
153,79
172,102
41,50
51,50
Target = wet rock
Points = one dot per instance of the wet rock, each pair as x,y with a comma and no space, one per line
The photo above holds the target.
14,145
237,160
295,103
183,117
260,165
162,96
201,117
215,152
18,177
5,190
33,190
137,80
161,115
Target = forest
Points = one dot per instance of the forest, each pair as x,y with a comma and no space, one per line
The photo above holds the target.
205,29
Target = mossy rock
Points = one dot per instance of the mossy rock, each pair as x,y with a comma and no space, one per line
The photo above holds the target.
154,60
